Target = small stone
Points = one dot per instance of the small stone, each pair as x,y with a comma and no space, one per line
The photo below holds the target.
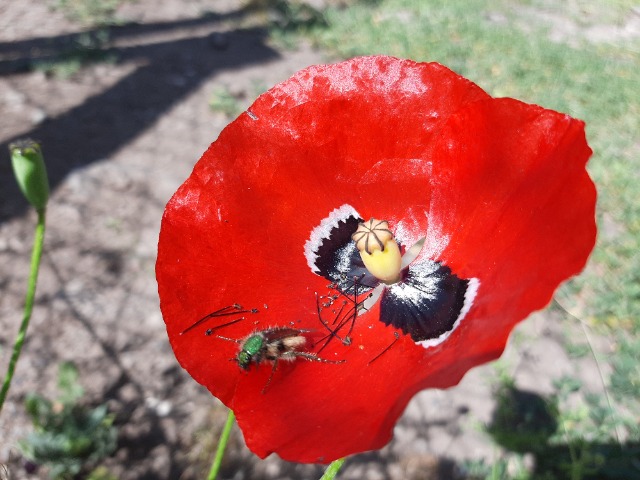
272,470
161,408
164,408
38,116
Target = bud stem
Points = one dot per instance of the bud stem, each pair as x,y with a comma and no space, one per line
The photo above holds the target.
36,255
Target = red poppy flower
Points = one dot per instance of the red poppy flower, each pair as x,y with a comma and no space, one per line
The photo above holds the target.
487,199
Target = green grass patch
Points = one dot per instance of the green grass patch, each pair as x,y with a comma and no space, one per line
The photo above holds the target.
85,49
89,13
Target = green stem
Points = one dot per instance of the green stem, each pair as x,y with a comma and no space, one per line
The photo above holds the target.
224,438
333,469
36,255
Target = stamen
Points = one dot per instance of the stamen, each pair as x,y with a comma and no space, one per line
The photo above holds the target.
346,314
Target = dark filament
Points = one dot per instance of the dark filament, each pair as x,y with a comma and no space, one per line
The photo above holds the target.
347,314
395,334
234,309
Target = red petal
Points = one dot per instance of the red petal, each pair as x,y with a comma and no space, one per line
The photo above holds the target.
518,207
376,133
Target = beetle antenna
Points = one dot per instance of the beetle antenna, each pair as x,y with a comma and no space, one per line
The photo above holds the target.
234,340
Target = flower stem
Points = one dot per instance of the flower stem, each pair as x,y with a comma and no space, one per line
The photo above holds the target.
36,255
333,469
224,438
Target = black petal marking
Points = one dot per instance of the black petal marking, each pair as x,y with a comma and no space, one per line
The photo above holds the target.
429,303
331,253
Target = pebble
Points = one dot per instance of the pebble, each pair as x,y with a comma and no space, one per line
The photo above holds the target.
37,116
162,408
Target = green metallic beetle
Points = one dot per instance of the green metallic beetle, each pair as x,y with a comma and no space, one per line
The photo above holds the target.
271,344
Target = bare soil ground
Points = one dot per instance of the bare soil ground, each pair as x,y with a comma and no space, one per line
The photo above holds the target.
119,137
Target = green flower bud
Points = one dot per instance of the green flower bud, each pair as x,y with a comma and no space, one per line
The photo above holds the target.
30,172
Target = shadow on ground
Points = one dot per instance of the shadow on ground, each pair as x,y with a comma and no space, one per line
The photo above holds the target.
166,72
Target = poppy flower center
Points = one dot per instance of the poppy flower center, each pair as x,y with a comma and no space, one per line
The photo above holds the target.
419,296
379,250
